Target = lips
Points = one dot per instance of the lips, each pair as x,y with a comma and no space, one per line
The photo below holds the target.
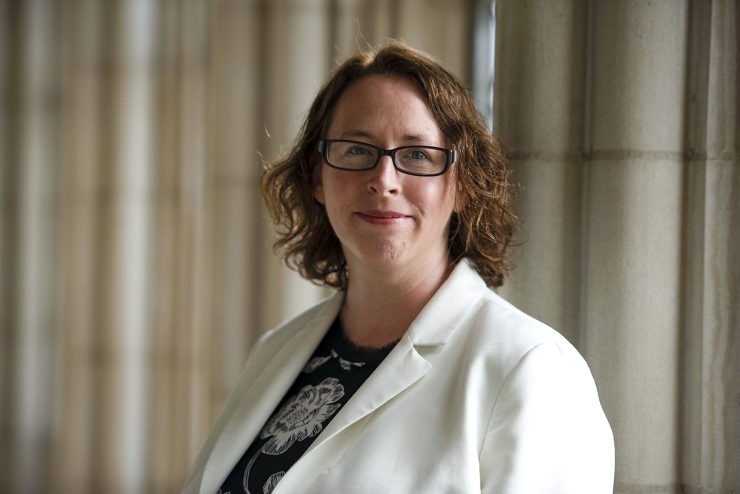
379,217
382,214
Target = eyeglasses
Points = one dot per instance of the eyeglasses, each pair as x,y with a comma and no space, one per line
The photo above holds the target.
355,156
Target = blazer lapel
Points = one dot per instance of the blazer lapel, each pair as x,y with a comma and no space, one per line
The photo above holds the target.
401,368
260,400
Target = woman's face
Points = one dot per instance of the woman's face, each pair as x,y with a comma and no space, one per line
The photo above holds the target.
382,217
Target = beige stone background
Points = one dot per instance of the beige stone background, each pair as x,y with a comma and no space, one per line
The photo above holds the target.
135,259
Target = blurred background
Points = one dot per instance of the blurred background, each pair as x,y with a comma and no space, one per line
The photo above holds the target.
136,266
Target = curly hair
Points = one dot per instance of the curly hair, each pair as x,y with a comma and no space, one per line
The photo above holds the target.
481,232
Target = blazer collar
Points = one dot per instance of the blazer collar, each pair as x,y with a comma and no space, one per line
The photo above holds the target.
442,314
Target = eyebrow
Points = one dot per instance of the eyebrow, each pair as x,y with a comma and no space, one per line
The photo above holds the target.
370,135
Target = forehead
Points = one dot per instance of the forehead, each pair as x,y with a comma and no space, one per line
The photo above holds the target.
384,106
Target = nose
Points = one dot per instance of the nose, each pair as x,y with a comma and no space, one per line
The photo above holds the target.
384,178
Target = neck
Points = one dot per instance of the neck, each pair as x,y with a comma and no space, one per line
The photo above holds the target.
381,304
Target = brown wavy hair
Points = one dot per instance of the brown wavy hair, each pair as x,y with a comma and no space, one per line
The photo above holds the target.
482,231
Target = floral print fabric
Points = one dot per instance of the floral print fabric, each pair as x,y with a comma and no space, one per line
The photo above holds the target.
302,416
332,375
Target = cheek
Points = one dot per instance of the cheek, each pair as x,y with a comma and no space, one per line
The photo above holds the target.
436,197
336,189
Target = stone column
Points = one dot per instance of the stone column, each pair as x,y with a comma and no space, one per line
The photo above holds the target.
295,65
182,333
33,272
711,332
234,133
538,112
128,181
81,200
633,225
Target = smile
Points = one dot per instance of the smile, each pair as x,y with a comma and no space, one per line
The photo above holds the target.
382,217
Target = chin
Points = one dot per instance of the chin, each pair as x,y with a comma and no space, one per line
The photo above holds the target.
380,253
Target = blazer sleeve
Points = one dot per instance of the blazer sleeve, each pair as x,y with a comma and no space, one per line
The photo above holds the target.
547,432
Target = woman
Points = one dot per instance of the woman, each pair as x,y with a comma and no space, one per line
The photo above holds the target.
414,377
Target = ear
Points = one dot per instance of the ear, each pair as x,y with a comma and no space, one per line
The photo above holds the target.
318,193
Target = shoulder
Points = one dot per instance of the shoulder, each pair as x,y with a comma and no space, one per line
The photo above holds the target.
477,328
527,356
504,332
546,410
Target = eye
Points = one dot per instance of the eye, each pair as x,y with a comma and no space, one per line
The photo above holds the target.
417,154
358,150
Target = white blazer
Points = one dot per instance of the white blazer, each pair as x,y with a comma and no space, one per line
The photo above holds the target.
476,397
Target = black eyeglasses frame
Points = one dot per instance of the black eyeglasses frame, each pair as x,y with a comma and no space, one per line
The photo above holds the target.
450,156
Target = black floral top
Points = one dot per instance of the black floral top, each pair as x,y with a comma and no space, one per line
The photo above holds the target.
331,376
